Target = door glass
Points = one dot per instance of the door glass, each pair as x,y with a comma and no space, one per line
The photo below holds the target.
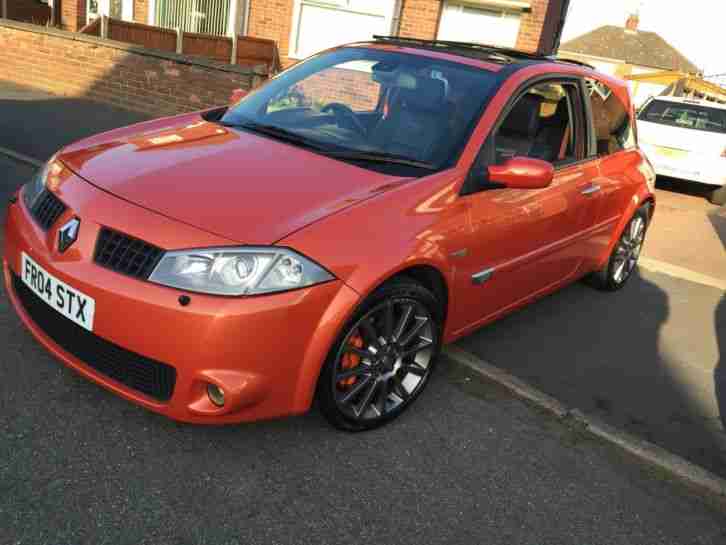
613,127
321,25
464,23
116,9
92,9
202,16
539,126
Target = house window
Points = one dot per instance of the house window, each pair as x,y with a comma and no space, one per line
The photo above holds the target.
484,24
318,25
116,9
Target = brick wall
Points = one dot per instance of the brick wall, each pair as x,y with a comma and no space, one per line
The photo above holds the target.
73,14
30,11
272,19
354,88
141,11
531,26
420,18
124,75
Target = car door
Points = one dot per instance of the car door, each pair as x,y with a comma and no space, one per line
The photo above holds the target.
614,150
523,242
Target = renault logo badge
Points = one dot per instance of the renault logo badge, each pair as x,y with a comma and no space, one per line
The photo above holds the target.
68,234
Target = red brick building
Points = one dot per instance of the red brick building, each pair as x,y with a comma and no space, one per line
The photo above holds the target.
302,27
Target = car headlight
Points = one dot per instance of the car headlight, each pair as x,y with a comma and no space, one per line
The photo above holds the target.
238,271
33,189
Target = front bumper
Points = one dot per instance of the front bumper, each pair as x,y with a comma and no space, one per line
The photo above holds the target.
693,167
265,351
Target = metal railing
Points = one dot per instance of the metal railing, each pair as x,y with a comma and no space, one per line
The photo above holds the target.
198,16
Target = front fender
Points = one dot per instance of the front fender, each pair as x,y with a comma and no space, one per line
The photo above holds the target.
368,243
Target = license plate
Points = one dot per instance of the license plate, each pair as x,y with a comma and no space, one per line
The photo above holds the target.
672,153
71,303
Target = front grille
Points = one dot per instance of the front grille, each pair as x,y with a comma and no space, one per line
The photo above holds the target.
47,209
125,254
150,377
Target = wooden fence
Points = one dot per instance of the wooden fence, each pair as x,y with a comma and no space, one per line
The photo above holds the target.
249,51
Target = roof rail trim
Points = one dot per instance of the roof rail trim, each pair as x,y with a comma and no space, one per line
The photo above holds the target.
503,54
573,61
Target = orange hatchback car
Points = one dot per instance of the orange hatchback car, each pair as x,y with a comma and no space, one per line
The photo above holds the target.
322,237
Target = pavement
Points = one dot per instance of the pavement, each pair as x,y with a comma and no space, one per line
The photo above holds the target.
468,464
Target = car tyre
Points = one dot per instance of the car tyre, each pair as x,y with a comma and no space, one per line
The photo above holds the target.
383,358
718,196
624,258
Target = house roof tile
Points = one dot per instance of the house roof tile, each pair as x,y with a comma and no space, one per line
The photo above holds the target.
634,47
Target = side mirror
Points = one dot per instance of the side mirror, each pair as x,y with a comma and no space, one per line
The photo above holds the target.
237,95
523,173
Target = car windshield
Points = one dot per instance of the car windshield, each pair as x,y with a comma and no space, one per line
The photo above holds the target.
686,116
371,107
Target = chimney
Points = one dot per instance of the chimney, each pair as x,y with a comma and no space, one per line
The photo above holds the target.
632,23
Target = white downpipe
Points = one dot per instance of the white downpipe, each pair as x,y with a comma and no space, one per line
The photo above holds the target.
396,20
234,27
4,7
151,19
246,22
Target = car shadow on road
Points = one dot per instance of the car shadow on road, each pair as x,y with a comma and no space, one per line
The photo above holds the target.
685,187
719,374
607,354
718,220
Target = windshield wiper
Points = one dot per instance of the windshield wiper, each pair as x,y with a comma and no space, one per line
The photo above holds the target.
351,155
379,157
279,133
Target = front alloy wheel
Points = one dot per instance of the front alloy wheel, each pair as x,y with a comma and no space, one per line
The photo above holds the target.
383,360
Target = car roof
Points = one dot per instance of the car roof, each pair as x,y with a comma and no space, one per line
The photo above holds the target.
501,60
694,101
481,52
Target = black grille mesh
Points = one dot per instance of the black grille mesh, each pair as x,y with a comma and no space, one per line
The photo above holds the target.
125,254
150,377
47,209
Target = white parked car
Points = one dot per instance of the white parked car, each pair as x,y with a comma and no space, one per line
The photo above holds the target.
686,138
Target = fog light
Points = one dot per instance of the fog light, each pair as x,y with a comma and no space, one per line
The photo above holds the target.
216,394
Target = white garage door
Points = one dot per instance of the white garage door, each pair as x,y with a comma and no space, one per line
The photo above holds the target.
465,23
318,25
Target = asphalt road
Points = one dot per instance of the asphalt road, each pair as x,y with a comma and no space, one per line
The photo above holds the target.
37,124
468,464
650,359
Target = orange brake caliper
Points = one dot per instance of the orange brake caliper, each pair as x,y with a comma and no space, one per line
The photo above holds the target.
351,360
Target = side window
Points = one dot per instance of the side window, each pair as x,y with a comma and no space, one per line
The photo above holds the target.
542,125
614,129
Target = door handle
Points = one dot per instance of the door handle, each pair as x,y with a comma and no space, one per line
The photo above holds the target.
589,190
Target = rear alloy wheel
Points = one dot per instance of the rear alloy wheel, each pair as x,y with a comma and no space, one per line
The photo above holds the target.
624,257
383,359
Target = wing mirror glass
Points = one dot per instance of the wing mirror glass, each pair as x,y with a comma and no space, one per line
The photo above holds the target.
523,173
